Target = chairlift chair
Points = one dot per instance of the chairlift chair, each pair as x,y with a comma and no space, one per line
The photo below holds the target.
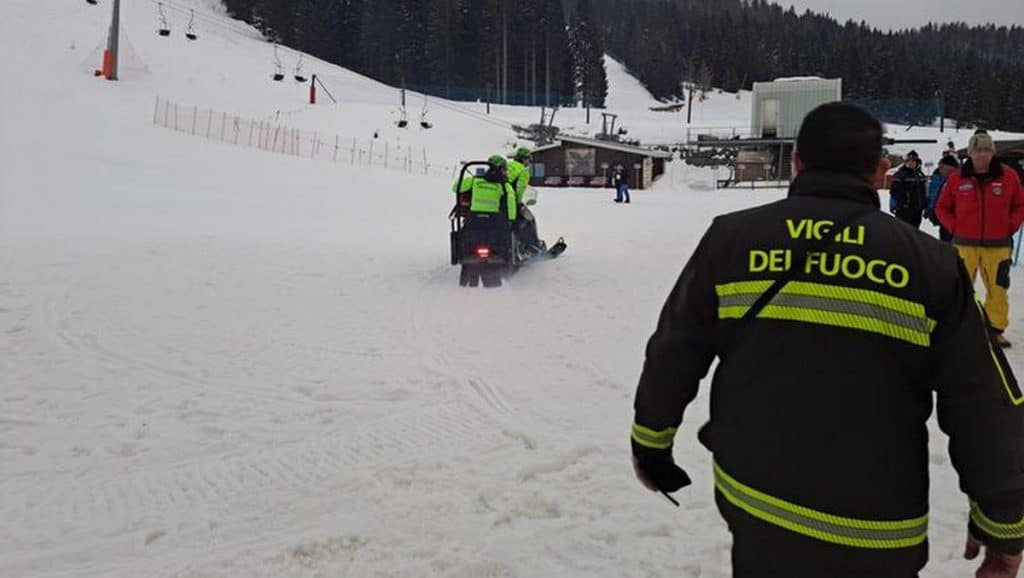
403,121
91,2
298,71
191,33
279,75
424,123
165,28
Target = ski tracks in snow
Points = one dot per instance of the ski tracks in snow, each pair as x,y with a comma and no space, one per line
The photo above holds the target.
432,316
215,493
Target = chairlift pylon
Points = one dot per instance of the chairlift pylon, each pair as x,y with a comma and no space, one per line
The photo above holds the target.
165,28
279,75
191,33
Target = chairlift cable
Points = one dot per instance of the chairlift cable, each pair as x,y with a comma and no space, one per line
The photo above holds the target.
210,20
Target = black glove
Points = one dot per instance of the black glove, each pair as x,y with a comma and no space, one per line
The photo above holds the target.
658,468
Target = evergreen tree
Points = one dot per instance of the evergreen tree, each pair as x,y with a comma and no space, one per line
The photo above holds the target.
551,51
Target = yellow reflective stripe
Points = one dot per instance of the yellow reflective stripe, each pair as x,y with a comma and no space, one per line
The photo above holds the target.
743,288
830,291
815,302
1015,398
996,529
659,440
833,319
860,295
873,534
832,305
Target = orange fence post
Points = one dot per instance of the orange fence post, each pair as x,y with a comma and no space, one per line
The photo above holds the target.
108,64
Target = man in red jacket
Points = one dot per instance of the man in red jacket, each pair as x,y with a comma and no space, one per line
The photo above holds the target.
983,206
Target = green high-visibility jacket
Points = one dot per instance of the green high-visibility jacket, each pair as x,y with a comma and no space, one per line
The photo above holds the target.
486,195
519,178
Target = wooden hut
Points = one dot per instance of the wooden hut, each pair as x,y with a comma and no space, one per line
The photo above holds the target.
583,162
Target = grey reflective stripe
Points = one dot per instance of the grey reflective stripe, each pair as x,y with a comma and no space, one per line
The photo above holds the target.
819,525
833,305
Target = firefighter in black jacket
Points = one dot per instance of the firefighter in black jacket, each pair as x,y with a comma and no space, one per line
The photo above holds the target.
820,401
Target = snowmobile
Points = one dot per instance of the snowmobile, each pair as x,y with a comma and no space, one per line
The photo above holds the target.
486,245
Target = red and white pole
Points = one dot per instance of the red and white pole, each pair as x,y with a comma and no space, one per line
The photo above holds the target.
110,54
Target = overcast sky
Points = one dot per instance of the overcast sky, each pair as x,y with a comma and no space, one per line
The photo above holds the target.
890,14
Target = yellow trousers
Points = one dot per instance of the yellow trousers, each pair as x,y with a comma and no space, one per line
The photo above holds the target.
994,264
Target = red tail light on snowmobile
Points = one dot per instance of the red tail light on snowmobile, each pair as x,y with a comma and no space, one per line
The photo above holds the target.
483,252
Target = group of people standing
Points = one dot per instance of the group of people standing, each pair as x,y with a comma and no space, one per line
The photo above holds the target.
978,205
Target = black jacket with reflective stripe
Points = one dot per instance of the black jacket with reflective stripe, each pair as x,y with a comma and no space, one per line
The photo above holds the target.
822,401
909,189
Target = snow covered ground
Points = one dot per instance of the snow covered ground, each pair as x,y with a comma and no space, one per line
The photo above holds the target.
219,362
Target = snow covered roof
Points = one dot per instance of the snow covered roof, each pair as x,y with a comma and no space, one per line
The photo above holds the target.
604,144
797,78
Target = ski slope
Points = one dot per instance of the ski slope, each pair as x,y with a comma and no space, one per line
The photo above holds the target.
220,362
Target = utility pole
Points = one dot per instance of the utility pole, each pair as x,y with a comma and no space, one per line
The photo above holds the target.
110,55
689,106
547,69
533,74
526,78
504,51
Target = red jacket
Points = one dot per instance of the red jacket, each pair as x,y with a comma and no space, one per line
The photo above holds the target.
983,210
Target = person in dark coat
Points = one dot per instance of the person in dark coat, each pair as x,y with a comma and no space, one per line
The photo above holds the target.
620,178
837,331
909,191
947,166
